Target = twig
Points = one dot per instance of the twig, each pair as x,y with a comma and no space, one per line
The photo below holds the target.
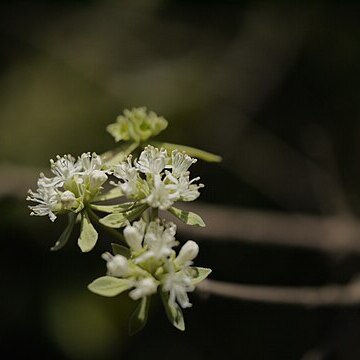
325,233
331,295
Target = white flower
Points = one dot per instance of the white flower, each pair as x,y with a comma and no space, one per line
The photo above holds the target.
117,265
129,176
159,240
152,160
187,253
161,195
180,162
187,190
64,168
89,162
134,234
97,178
183,187
47,199
91,172
143,287
178,284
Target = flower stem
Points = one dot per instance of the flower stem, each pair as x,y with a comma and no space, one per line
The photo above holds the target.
118,235
154,213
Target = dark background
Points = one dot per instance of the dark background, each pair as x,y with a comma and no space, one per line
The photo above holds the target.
273,87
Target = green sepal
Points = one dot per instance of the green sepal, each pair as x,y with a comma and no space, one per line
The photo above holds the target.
109,286
120,250
187,217
64,237
120,219
191,151
88,235
139,317
199,274
114,157
111,194
173,311
112,208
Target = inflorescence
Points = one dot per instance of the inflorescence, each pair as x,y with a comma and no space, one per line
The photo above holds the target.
130,191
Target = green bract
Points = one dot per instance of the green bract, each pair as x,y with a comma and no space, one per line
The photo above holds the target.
122,192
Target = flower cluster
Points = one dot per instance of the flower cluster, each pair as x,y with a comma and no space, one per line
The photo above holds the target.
158,178
137,125
75,183
131,190
152,265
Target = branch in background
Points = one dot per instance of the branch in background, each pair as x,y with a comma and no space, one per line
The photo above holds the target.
326,233
331,295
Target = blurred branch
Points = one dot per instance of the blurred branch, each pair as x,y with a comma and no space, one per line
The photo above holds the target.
331,295
327,233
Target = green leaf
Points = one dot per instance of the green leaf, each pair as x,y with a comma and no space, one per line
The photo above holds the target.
200,274
120,250
173,311
109,286
118,220
64,237
187,217
111,194
115,220
88,234
112,208
114,157
197,153
139,317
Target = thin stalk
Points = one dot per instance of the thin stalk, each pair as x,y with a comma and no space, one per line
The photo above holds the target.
154,214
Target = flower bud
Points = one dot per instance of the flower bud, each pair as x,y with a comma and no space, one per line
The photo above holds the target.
117,265
187,253
68,199
97,178
143,287
133,237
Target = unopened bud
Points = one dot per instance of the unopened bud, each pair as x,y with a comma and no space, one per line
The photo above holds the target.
98,177
144,287
117,265
188,252
133,238
68,199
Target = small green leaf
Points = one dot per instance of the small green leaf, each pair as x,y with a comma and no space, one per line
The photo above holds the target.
199,274
112,208
118,220
109,286
187,217
64,237
88,234
197,153
120,250
173,311
111,194
139,317
115,220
